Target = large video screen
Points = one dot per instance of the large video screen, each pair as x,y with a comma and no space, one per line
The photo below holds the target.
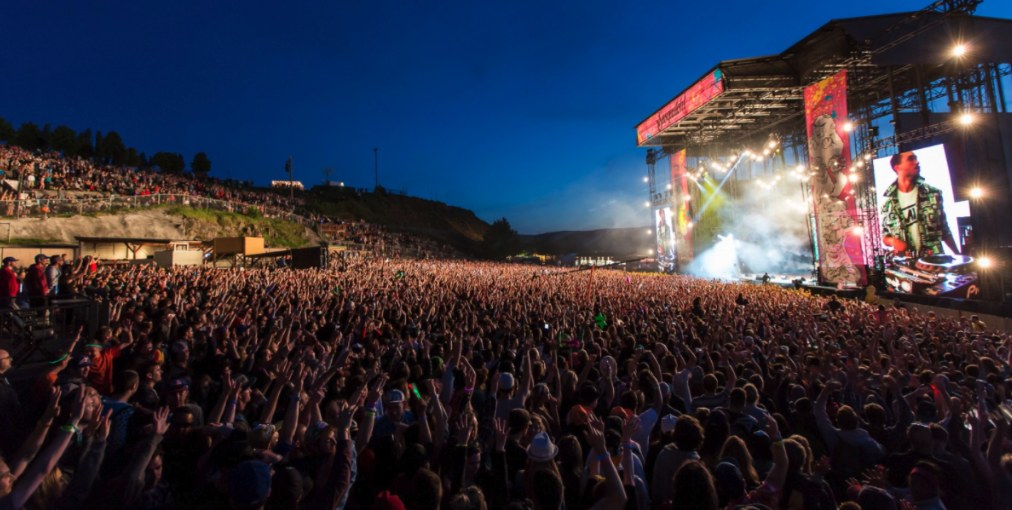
925,232
666,255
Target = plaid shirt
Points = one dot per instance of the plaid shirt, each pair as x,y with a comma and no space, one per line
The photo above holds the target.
930,216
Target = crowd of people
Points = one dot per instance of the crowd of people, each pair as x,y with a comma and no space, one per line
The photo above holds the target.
50,176
392,384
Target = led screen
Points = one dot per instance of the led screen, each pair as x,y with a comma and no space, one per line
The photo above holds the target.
923,228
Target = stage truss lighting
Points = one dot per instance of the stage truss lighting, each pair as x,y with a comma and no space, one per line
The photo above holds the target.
966,119
976,192
985,262
959,50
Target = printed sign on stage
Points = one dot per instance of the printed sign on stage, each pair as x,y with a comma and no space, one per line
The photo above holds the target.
924,244
841,258
665,239
700,93
683,208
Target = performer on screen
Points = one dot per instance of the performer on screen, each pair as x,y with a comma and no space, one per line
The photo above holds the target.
913,218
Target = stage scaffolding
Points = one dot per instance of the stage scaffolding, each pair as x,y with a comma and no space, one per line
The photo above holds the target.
903,88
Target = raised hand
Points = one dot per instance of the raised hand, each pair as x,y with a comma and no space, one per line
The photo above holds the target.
53,406
501,434
161,421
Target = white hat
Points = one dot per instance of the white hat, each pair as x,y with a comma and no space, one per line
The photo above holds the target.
668,423
505,381
542,449
395,397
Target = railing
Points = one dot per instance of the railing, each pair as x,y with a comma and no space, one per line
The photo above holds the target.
40,207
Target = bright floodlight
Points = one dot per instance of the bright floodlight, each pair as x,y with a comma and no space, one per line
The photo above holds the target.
976,192
650,232
646,179
646,204
858,230
966,119
985,262
959,50
848,126
853,178
773,144
650,252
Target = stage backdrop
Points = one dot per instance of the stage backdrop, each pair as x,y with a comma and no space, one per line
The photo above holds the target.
679,198
841,260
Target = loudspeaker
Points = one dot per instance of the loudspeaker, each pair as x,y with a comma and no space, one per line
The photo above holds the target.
309,258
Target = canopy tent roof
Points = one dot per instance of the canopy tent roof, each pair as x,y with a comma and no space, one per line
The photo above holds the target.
745,97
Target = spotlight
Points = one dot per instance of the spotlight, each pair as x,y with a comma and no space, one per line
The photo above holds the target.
848,126
649,231
860,164
766,152
669,186
959,50
801,169
858,230
773,144
646,179
966,119
867,157
646,204
689,224
853,178
976,192
686,198
985,262
650,252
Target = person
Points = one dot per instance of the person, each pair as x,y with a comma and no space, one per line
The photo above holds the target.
9,286
53,272
35,283
913,215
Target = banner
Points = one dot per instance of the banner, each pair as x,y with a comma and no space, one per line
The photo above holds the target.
683,210
841,258
700,93
665,239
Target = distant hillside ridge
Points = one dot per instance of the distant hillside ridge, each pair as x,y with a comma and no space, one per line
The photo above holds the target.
618,243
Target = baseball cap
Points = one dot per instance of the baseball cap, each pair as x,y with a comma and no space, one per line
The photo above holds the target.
387,501
506,381
82,361
668,423
41,256
8,260
179,384
395,397
249,484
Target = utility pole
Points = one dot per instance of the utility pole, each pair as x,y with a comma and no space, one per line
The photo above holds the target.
376,167
291,178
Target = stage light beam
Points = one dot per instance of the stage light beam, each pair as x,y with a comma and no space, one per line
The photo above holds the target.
966,119
985,262
959,50
976,192
848,126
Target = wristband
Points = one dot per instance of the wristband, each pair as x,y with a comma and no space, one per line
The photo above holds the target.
69,428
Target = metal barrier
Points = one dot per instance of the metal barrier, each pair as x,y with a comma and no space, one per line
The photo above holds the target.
32,331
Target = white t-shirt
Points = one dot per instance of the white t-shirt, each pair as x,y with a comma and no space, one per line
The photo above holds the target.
908,211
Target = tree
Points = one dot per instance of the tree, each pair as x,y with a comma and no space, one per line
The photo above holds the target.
201,165
168,162
85,144
500,240
28,136
111,150
64,139
6,130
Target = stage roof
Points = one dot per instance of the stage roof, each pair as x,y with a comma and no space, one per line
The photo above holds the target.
748,97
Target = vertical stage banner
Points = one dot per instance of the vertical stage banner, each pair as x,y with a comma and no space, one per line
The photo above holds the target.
841,258
683,211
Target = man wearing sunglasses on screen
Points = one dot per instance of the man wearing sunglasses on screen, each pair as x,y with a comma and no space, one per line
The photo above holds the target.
913,217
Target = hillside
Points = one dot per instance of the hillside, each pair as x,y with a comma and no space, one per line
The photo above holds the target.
163,223
622,243
401,213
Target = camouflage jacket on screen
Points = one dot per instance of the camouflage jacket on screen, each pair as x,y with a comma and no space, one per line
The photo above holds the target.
930,216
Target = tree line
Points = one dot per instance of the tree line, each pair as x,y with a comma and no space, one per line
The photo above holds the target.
107,149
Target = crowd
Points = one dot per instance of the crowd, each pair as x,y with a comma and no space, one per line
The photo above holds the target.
391,384
50,175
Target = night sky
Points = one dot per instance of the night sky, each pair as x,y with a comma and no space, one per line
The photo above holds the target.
510,108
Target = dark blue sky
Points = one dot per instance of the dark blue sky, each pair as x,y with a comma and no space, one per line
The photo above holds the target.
514,108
